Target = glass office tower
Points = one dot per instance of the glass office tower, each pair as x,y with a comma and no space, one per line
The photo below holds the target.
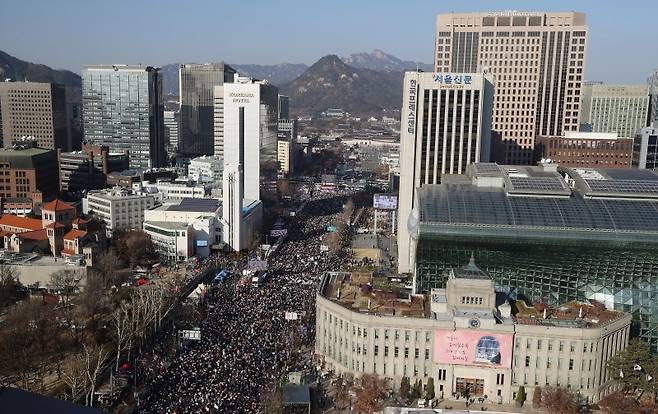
123,109
197,84
547,235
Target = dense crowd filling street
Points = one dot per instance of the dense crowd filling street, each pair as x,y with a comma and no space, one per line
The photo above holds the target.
246,342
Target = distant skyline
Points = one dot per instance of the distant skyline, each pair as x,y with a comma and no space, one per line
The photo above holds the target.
71,33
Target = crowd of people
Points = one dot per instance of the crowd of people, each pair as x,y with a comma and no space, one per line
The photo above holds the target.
246,343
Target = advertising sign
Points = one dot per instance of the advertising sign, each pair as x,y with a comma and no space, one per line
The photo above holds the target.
291,316
465,347
385,201
278,232
191,334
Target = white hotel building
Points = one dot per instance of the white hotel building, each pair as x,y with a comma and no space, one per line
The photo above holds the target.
446,125
248,123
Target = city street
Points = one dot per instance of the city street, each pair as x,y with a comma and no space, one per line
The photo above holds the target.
246,342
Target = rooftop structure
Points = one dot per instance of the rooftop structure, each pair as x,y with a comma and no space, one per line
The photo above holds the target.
587,150
362,293
588,233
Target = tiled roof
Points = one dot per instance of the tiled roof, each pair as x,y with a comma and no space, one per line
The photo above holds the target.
57,205
79,220
25,223
37,235
54,225
72,234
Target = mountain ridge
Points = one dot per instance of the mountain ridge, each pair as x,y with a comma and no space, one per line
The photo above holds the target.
21,70
331,83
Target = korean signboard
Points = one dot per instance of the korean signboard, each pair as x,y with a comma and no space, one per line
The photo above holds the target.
385,201
474,347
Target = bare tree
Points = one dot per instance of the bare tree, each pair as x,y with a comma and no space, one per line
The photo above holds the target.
120,320
65,283
340,389
30,341
370,394
135,248
8,285
95,357
74,375
559,400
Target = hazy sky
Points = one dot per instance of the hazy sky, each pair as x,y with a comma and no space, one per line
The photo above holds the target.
70,33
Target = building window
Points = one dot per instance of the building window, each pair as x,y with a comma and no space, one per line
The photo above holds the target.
527,361
571,365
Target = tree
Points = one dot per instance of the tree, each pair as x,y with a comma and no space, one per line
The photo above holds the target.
370,394
135,248
536,398
636,368
521,396
405,387
9,285
121,326
30,340
340,389
65,283
618,403
559,400
74,375
94,358
417,390
429,389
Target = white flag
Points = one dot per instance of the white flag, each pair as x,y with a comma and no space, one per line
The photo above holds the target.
649,377
636,367
621,373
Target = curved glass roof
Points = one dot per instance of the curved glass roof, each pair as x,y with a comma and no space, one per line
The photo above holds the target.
470,205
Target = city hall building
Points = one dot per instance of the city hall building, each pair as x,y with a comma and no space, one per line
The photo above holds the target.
465,337
547,233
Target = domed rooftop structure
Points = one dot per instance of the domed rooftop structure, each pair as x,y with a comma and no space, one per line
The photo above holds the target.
470,271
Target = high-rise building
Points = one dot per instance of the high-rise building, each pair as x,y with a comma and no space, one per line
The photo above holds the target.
546,233
446,125
197,83
88,169
619,109
645,148
34,109
171,130
123,109
258,101
586,150
287,144
284,107
653,103
27,171
537,61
